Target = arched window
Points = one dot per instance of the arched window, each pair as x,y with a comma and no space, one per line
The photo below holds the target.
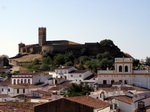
25,81
120,68
14,81
21,81
126,68
18,81
28,81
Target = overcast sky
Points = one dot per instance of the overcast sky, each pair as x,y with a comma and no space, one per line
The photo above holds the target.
125,22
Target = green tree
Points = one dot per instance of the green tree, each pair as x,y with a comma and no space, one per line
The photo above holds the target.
92,65
79,89
104,63
59,60
69,63
46,60
106,42
44,67
69,57
147,61
83,59
136,63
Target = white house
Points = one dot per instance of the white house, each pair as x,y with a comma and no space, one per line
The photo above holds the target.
26,89
78,76
29,78
129,103
62,71
125,74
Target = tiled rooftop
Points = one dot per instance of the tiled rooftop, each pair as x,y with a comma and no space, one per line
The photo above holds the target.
89,101
17,107
124,98
55,88
42,92
24,86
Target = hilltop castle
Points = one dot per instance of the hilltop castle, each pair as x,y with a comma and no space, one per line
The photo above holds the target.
57,46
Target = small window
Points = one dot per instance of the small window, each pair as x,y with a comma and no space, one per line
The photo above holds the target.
8,90
17,90
28,81
21,81
126,68
120,68
14,81
71,75
23,90
2,89
25,81
18,81
79,75
125,82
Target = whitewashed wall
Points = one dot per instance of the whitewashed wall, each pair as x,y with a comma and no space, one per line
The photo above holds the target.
107,109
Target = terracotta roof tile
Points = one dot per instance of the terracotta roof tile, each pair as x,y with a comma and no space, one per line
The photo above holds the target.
24,86
89,101
42,92
56,88
124,98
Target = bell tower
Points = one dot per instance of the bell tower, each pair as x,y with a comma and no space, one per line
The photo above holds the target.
42,36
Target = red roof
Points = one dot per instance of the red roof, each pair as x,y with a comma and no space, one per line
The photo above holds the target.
89,101
56,88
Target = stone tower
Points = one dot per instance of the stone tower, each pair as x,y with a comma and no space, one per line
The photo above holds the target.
42,36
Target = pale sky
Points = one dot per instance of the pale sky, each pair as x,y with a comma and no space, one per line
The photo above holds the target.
125,22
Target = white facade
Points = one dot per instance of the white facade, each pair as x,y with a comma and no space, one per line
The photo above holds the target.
29,78
125,107
62,71
79,75
123,73
106,109
21,89
133,105
3,89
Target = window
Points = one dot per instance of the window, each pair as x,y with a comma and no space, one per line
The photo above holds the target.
71,75
18,81
120,68
21,81
25,81
126,68
17,90
14,81
120,81
104,81
2,89
23,90
125,82
8,90
112,81
79,75
28,81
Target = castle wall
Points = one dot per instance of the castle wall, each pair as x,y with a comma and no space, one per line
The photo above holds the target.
47,48
58,46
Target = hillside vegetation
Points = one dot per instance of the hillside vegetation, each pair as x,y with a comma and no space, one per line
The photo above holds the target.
49,61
